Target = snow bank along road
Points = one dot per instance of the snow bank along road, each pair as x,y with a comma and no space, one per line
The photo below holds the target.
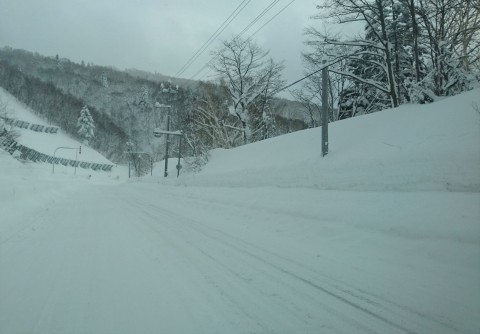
150,258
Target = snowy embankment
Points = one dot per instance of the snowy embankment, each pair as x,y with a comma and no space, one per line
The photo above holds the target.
431,147
381,236
43,142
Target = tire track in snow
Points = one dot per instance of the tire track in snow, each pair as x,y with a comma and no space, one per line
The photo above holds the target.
357,305
359,294
208,276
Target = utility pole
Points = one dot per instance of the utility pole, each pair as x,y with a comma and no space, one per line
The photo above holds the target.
324,109
165,174
179,166
158,133
170,92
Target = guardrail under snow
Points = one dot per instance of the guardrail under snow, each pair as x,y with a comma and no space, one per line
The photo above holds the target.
26,153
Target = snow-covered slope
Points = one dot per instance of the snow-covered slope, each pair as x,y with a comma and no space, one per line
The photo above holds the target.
413,147
381,236
45,142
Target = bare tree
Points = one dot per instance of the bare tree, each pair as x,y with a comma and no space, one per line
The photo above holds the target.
213,123
248,74
262,122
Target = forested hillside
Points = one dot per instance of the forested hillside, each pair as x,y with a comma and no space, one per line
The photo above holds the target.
61,109
122,103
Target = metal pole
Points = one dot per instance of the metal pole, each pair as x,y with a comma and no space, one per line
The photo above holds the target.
76,159
166,148
324,110
179,154
55,152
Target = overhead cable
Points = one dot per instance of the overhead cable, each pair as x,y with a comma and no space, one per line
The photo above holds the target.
212,37
245,29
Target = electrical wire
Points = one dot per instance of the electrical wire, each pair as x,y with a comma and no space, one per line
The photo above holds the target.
271,19
212,37
267,9
259,16
325,65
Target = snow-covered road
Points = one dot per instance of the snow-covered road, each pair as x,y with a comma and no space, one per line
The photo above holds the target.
152,258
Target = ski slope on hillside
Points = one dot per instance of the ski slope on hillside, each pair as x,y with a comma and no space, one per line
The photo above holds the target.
381,236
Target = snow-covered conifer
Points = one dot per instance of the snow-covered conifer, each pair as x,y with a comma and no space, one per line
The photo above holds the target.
85,125
104,80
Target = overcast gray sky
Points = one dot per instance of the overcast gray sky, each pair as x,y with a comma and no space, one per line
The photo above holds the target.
154,35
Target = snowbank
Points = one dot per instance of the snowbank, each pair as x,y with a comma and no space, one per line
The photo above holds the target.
410,148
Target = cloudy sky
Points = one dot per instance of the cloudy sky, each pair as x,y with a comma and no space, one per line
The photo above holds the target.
153,35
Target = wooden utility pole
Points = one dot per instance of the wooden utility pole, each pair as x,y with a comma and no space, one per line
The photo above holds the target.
324,110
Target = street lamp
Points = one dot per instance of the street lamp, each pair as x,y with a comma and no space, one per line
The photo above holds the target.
78,150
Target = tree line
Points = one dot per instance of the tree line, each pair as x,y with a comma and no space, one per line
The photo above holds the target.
224,113
410,51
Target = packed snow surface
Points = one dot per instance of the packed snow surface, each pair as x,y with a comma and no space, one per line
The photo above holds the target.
380,236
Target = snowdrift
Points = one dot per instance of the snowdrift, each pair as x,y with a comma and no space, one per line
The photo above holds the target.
411,148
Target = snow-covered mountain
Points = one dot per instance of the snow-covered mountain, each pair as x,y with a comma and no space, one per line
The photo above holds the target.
380,236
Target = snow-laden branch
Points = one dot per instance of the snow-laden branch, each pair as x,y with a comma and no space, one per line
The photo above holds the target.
375,84
357,43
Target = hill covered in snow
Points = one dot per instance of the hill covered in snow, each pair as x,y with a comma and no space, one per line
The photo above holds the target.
45,142
410,148
380,236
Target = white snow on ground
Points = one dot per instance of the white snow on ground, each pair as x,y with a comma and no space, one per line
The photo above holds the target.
47,143
380,236
428,147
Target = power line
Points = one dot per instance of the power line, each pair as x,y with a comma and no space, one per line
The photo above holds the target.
271,19
204,67
297,81
209,41
259,16
326,65
267,9
205,75
212,37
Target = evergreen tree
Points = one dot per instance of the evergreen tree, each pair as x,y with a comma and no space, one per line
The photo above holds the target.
85,125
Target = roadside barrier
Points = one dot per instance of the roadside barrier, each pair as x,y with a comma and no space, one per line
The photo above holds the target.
25,153
30,126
